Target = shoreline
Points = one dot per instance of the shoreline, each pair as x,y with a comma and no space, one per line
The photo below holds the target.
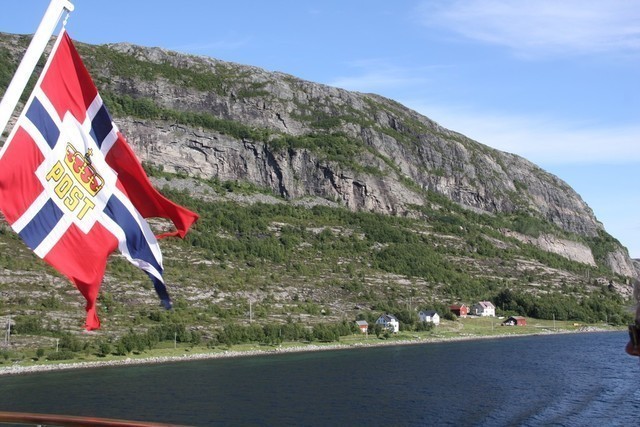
228,354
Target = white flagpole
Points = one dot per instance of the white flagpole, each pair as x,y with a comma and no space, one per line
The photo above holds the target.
32,55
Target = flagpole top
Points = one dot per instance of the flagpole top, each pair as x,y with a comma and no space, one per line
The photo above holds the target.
32,55
66,4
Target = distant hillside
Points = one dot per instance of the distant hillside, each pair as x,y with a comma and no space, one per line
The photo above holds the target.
320,204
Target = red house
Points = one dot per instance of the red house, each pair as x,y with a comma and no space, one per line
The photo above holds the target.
515,321
363,326
459,310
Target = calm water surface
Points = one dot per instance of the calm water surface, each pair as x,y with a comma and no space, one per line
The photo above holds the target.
558,380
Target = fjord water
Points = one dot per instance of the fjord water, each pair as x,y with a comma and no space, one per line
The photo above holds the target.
552,380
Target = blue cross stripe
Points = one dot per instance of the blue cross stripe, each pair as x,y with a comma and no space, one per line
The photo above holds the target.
50,214
136,242
101,125
41,225
43,122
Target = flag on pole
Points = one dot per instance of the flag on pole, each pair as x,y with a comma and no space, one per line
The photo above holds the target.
72,188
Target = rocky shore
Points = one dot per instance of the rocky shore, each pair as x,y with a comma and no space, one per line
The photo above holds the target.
131,361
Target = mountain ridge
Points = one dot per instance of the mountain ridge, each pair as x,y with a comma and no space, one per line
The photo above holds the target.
402,144
301,138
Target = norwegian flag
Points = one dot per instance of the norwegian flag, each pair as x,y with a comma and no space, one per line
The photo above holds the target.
73,189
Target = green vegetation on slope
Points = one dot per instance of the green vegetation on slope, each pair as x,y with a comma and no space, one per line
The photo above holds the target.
124,65
309,273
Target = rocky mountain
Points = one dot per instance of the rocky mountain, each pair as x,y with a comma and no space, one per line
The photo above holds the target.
202,125
364,151
212,119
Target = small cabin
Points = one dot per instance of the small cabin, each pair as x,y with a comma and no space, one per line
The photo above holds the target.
459,310
363,325
515,321
431,316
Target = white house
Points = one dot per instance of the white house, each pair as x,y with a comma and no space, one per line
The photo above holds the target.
429,316
389,322
484,309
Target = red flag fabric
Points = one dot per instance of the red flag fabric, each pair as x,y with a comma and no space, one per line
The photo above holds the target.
72,188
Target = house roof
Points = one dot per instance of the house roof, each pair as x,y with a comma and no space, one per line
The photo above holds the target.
362,323
388,317
486,304
429,313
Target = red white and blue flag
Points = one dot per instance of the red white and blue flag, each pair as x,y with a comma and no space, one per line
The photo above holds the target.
73,189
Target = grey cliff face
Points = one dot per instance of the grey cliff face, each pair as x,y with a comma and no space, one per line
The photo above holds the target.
292,174
400,143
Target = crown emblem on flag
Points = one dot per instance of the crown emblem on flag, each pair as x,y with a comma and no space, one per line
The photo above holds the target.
83,171
63,205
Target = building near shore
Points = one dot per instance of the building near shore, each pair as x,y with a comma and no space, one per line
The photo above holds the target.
460,310
515,321
389,322
431,316
484,309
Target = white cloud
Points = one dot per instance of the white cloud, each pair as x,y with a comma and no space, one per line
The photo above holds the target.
542,27
541,140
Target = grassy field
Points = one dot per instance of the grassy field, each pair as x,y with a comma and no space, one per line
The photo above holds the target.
463,328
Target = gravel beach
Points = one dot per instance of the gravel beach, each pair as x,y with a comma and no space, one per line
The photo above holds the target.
18,369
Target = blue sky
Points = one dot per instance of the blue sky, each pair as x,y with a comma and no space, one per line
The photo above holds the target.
556,82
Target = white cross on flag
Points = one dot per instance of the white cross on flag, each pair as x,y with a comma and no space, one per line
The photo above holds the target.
73,189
